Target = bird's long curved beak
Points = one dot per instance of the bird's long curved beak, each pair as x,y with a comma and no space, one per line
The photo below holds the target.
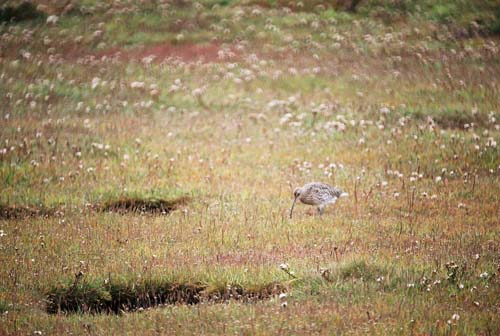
293,204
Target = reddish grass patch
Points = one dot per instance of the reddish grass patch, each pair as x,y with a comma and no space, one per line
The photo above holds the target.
185,52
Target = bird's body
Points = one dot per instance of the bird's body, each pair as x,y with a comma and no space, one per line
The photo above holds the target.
318,194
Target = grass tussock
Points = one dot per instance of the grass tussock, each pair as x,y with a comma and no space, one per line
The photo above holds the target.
117,297
152,206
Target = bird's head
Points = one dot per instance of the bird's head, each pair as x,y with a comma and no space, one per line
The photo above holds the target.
297,192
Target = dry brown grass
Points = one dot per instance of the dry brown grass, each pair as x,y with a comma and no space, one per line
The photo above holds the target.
404,117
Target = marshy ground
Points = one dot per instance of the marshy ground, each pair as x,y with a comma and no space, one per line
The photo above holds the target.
149,151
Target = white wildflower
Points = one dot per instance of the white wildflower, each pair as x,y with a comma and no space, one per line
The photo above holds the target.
285,118
284,266
384,110
95,82
197,92
52,19
137,85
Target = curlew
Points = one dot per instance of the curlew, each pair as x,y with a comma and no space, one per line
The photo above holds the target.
318,194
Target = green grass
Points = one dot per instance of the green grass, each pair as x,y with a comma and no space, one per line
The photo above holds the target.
375,101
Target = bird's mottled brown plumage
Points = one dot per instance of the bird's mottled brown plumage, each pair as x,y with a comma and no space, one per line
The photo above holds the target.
318,194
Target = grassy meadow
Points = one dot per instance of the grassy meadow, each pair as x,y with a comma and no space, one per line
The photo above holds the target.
149,151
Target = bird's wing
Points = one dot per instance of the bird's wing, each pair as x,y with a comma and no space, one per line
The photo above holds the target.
327,190
328,193
316,193
324,193
335,192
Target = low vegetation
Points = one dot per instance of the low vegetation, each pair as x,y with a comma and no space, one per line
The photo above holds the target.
149,151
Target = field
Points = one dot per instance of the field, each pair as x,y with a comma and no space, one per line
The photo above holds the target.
149,151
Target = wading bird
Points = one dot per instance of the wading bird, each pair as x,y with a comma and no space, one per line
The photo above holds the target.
317,194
